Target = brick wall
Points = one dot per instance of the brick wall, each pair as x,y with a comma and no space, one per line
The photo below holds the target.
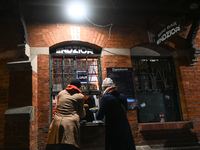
19,129
16,133
178,63
92,137
43,100
191,84
46,35
114,61
4,79
20,89
197,39
10,35
34,124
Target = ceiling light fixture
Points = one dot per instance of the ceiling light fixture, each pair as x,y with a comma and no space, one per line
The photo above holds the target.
76,10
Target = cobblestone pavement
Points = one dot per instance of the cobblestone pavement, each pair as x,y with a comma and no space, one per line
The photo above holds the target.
158,148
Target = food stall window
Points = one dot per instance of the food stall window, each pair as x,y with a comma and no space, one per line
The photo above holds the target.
64,68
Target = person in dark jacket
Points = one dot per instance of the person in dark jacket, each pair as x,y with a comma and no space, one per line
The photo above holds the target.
113,105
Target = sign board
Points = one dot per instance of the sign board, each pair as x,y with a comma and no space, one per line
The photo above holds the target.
123,79
74,50
169,31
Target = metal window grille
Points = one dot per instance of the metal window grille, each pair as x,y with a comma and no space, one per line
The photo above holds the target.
152,74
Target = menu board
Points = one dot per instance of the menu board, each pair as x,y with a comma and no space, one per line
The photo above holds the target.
123,79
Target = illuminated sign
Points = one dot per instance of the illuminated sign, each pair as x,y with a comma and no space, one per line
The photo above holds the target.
74,49
169,31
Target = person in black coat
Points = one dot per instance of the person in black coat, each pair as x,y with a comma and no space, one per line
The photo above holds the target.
113,105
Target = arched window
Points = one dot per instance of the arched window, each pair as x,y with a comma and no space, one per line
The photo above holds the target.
75,61
156,86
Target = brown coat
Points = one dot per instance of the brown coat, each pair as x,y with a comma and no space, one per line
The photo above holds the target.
65,127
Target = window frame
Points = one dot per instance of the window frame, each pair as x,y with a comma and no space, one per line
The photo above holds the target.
74,57
174,80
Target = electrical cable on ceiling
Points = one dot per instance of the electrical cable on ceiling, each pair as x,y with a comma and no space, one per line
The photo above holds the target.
102,26
178,7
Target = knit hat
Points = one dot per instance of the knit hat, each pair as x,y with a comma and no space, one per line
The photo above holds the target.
76,82
107,82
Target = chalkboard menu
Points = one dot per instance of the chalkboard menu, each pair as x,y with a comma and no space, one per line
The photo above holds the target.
123,79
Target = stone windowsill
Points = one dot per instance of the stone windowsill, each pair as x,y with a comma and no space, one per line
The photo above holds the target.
165,125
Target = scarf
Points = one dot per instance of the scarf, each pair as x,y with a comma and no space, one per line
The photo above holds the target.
73,89
110,89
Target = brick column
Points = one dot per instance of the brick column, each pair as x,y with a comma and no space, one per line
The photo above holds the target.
20,120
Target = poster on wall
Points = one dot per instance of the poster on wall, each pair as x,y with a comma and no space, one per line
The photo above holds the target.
123,79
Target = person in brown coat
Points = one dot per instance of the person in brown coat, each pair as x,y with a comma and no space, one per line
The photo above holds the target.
64,131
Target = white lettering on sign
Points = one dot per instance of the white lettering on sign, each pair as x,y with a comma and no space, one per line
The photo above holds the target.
73,51
168,34
75,33
169,31
119,69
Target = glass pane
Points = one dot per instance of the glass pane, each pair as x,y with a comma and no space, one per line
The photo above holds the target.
82,76
57,61
93,69
93,82
69,69
57,82
69,61
93,78
83,86
93,86
57,79
57,69
152,107
67,79
92,66
92,62
81,64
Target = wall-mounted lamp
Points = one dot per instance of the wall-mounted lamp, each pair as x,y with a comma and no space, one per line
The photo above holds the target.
76,10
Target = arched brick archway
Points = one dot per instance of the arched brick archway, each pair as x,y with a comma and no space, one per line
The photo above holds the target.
49,35
76,43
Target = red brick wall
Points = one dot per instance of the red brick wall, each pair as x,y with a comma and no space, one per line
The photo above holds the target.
4,79
114,61
46,35
20,89
191,84
34,124
178,63
11,36
197,39
92,137
43,100
19,131
16,133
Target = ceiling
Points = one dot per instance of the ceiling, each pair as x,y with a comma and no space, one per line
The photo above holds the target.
121,12
137,14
